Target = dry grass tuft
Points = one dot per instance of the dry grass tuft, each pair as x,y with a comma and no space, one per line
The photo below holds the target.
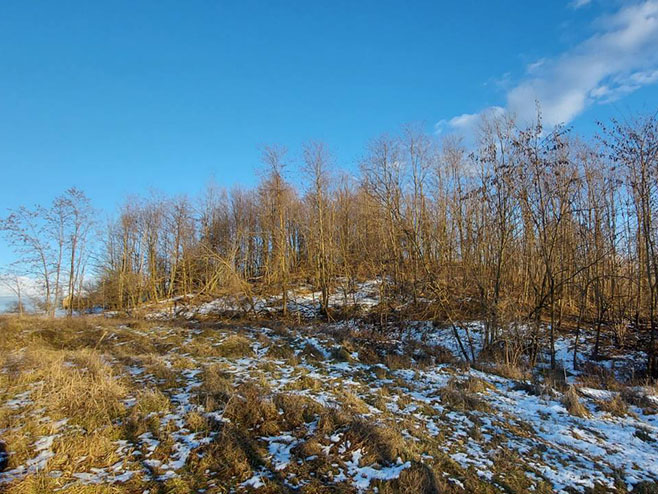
477,385
232,457
151,401
87,393
383,444
462,394
311,352
573,404
352,404
248,407
282,352
235,346
216,389
419,478
503,370
297,410
617,406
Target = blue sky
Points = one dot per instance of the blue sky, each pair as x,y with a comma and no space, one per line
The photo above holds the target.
121,97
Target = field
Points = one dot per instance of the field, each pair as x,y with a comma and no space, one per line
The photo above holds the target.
97,405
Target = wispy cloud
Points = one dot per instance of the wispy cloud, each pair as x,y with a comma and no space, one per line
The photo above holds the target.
621,57
577,4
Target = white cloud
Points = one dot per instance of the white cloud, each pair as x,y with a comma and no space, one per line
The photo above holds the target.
576,4
621,57
467,123
29,286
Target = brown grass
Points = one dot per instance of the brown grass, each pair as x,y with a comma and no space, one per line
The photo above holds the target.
616,406
573,404
382,443
235,346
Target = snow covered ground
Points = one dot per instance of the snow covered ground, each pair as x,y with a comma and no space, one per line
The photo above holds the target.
302,301
212,408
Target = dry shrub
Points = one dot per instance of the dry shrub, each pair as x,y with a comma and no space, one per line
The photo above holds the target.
235,346
573,404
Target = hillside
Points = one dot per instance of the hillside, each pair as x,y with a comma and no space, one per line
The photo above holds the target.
111,405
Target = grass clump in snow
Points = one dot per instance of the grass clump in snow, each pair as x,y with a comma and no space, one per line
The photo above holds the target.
217,387
462,395
282,352
381,443
249,407
615,406
235,346
297,410
572,403
150,401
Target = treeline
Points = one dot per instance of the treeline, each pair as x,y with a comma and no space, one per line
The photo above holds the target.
531,231
53,245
